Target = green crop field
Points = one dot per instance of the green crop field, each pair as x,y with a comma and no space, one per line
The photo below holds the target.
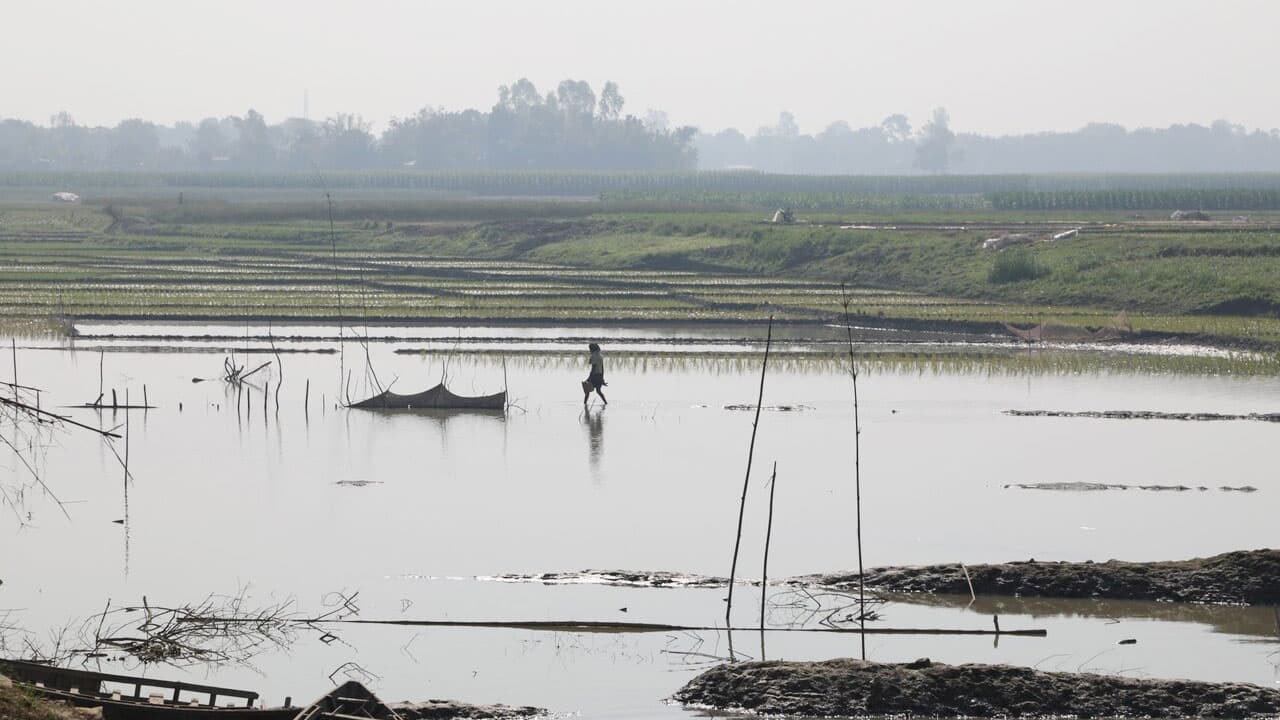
669,254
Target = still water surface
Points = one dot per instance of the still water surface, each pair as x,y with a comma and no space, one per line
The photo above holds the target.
229,495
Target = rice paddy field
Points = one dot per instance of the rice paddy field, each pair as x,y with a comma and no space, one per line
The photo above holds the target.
399,255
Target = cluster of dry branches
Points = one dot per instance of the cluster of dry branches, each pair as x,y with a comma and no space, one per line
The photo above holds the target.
235,374
218,630
829,608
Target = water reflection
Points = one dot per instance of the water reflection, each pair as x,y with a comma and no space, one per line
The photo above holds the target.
593,420
1254,621
438,417
445,422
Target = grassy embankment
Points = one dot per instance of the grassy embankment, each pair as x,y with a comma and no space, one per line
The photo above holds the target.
424,258
18,704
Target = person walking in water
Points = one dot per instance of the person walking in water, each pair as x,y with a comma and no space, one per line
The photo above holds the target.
595,380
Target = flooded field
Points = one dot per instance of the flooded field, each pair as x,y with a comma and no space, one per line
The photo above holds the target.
276,492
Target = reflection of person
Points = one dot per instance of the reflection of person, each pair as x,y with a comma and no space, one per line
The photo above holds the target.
595,440
595,380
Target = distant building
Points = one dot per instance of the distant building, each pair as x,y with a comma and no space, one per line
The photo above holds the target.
66,197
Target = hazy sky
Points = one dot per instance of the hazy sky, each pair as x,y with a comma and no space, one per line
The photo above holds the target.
1000,66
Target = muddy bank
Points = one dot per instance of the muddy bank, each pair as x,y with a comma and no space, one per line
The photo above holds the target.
448,709
1244,577
854,687
1144,415
1241,577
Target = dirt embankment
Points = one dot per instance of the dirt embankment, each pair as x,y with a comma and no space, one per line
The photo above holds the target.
1242,577
854,687
17,704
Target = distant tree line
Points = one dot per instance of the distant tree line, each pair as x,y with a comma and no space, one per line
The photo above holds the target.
894,148
574,128
569,128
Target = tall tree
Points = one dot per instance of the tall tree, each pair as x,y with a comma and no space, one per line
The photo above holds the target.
208,142
896,128
611,102
253,146
135,144
576,98
934,151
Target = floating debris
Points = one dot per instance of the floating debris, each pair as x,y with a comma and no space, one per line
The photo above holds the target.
616,578
773,408
1144,415
1097,487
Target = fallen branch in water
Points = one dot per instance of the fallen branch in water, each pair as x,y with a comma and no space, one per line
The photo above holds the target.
595,626
589,626
235,374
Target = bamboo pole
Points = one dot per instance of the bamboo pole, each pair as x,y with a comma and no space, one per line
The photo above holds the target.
751,449
55,417
768,535
857,471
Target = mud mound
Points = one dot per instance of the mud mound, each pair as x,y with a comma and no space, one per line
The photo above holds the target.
446,709
854,687
1241,577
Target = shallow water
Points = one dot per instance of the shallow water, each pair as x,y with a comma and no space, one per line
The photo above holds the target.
228,498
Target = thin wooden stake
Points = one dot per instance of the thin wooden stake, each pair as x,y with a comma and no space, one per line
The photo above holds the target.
768,535
857,472
126,486
279,366
746,482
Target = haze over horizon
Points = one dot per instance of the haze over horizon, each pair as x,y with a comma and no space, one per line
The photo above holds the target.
999,66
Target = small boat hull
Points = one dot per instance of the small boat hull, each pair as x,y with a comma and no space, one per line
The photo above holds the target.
85,688
346,702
